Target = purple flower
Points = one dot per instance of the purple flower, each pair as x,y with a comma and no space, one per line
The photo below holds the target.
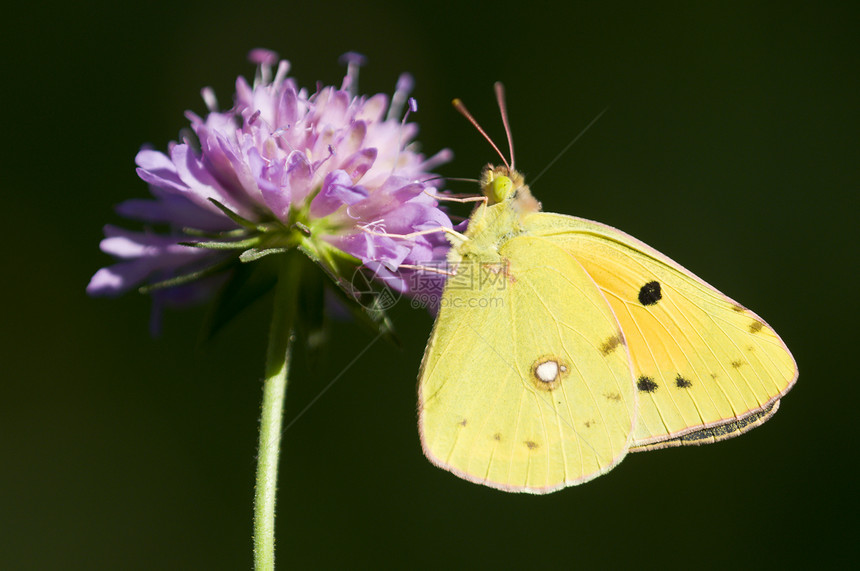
329,173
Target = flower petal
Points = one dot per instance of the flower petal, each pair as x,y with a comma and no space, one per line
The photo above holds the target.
337,191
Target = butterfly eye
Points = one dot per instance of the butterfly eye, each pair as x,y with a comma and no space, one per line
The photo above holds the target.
499,189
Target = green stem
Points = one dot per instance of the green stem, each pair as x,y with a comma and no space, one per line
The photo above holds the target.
274,391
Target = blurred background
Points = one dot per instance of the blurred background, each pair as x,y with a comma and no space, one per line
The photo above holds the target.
730,144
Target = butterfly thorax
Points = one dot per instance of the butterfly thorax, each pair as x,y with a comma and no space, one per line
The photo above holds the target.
499,219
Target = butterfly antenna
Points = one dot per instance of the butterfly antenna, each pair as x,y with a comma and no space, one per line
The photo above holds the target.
569,145
461,179
458,105
500,98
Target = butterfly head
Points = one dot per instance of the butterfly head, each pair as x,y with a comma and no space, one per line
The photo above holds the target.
502,184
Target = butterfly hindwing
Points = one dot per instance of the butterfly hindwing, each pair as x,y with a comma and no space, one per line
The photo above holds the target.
525,383
705,367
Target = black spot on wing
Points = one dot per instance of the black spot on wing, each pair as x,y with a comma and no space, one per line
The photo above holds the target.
650,293
646,384
462,422
727,429
683,383
531,444
756,326
497,437
737,364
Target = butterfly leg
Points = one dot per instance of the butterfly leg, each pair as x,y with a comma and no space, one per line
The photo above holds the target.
448,198
450,231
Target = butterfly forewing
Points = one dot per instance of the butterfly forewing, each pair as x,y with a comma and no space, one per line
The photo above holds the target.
705,367
525,384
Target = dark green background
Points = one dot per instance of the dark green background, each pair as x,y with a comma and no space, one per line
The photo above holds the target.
731,144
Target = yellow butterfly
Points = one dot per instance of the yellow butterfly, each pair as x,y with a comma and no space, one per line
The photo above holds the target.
561,344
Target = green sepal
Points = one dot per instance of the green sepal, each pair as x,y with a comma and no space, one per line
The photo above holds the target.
241,221
187,278
217,245
197,233
254,254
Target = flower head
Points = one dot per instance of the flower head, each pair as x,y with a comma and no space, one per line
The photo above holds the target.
331,173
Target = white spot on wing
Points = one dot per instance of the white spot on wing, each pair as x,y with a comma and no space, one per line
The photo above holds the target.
547,371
